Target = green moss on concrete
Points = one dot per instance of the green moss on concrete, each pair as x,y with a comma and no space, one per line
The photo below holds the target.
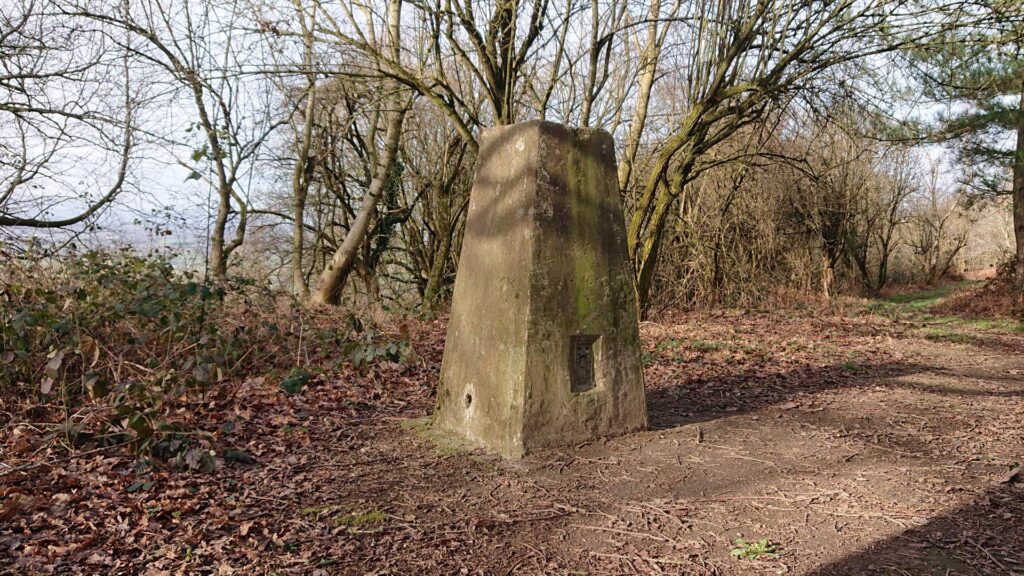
583,286
443,394
584,179
445,442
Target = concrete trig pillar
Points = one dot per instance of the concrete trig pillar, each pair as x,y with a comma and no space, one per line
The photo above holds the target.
543,348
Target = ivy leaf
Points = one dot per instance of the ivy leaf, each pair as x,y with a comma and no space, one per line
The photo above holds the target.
199,153
294,381
142,485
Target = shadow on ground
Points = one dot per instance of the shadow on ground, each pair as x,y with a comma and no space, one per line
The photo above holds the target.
700,400
975,539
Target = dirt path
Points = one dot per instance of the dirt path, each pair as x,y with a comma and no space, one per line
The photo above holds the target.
859,445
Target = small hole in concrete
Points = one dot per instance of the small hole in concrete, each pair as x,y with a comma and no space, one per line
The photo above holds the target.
469,400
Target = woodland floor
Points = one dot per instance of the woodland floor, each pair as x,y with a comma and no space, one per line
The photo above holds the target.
877,440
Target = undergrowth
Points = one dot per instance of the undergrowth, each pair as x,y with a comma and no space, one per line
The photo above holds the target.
115,347
996,298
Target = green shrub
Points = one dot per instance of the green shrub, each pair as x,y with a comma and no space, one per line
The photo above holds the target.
117,347
114,330
369,346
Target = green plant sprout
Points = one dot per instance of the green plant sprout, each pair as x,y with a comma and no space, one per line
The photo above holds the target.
751,550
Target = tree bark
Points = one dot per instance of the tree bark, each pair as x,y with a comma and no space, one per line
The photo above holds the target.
333,278
218,254
435,280
300,190
647,226
827,276
1018,198
647,75
336,272
303,172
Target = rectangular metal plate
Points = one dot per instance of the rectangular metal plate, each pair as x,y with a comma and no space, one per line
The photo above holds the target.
582,362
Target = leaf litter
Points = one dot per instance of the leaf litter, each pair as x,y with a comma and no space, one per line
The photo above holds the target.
851,441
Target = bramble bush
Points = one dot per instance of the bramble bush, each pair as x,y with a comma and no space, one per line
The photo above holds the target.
112,347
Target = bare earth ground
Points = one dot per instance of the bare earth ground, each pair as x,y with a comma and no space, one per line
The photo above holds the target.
859,444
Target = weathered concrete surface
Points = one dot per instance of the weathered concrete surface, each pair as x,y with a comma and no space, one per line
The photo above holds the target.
543,348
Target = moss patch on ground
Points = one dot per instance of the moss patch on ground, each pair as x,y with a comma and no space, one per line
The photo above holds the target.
361,519
445,443
943,334
918,305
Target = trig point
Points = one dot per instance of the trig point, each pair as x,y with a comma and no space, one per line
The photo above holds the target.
543,348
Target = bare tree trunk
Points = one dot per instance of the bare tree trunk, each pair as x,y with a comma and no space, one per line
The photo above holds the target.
595,54
335,274
435,280
648,73
218,254
300,190
827,277
643,241
303,171
1018,198
333,278
646,251
372,287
